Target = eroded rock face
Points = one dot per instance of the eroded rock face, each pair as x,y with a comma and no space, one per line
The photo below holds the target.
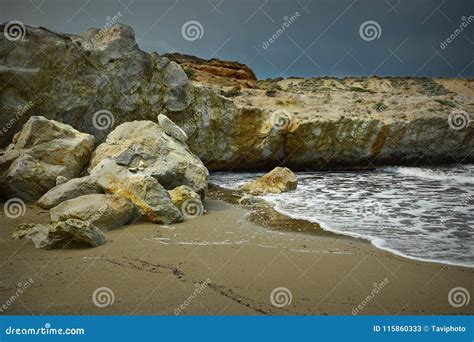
42,151
71,189
149,197
222,72
326,122
103,211
144,147
73,78
64,234
279,180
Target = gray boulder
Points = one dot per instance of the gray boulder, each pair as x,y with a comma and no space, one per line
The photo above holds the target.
144,146
150,198
69,233
103,211
71,189
41,152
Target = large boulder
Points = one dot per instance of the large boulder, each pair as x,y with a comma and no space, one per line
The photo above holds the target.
103,211
64,234
144,147
150,198
43,150
280,179
71,189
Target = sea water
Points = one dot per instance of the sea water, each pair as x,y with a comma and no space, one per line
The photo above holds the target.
424,213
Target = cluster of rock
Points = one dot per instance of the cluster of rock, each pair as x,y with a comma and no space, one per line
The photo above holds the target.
310,123
142,171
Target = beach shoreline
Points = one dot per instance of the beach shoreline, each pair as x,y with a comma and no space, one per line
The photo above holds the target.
226,262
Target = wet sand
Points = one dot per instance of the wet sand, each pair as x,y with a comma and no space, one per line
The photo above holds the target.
235,262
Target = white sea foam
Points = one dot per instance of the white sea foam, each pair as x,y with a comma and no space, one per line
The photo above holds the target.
421,213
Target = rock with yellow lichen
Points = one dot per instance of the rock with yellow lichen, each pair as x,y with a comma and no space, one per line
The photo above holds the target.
280,179
149,197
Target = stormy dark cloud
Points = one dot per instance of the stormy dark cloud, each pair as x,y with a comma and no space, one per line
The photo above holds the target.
282,37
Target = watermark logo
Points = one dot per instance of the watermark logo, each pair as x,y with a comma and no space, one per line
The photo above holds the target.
192,30
287,21
370,30
458,296
21,287
199,288
14,30
376,288
192,208
281,119
14,208
110,21
22,111
103,297
281,297
465,21
458,120
103,119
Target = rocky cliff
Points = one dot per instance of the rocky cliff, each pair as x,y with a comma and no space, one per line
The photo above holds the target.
101,79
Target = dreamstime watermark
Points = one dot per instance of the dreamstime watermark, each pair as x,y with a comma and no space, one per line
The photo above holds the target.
287,21
360,129
377,287
192,30
46,330
19,291
103,119
464,201
370,30
103,297
14,30
199,288
192,208
458,119
281,119
458,297
281,297
22,111
110,21
14,208
457,32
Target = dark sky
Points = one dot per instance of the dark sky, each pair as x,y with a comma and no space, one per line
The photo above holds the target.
324,39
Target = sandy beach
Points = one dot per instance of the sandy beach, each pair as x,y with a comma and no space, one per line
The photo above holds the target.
226,262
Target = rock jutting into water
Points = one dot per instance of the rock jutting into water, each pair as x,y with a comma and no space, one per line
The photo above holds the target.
279,180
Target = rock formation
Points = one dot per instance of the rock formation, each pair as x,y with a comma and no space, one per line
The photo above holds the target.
215,71
63,234
144,148
151,199
42,151
71,189
103,211
96,82
279,180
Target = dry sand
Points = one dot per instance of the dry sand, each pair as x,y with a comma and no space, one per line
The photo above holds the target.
154,269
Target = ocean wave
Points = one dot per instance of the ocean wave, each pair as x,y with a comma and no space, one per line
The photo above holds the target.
398,209
431,174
